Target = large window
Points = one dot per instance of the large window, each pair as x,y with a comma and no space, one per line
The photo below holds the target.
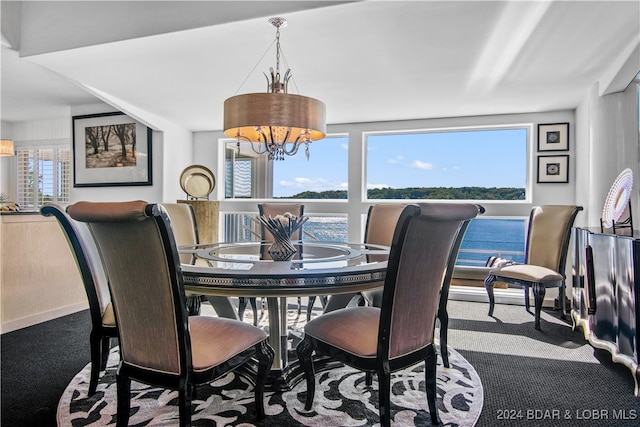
322,176
43,176
467,164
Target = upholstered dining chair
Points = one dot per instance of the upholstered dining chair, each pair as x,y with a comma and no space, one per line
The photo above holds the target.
94,279
379,228
381,222
185,230
159,343
400,333
547,244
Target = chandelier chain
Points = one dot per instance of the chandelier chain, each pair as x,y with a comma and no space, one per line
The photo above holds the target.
278,50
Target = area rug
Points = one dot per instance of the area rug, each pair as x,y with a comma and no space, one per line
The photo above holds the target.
342,399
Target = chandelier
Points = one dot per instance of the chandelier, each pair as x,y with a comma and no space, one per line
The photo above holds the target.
276,123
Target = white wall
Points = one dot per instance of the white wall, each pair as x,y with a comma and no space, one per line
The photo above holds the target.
608,142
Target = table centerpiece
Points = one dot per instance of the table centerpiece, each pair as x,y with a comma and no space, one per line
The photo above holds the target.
282,227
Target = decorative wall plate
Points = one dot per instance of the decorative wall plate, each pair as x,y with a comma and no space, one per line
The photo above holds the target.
197,181
618,198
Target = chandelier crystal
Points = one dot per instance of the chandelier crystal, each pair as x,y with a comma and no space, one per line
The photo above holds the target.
276,123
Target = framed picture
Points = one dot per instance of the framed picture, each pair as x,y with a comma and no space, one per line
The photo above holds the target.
553,169
553,137
110,149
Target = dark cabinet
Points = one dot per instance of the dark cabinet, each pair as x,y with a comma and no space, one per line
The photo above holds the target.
606,285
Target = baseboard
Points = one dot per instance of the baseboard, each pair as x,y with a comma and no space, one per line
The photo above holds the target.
23,322
502,296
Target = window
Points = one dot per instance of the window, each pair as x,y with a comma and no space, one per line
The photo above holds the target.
485,237
43,175
238,175
323,176
465,164
240,227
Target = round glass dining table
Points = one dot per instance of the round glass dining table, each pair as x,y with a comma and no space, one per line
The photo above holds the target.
245,269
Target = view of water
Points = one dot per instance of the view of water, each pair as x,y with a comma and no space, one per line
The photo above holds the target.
499,237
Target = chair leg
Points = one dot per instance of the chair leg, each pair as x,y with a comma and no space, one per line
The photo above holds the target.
563,301
538,297
105,346
193,305
526,299
443,316
184,405
304,351
312,300
299,306
123,385
254,307
265,355
242,306
430,384
368,378
384,397
488,285
96,361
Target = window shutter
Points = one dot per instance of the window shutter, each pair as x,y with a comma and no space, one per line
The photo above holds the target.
43,176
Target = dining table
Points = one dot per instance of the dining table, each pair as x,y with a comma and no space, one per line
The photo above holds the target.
244,269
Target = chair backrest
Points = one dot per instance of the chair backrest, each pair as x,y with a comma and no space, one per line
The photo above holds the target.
548,235
140,256
87,259
184,225
381,223
422,245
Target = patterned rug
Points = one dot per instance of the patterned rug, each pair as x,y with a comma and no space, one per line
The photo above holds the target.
342,398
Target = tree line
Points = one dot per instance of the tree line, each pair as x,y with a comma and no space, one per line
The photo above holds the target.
439,193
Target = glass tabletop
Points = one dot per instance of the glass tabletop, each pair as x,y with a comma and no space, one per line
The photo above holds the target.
245,268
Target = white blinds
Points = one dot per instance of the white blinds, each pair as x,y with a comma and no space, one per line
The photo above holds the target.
43,176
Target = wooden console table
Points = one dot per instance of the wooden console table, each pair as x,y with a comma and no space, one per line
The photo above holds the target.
605,299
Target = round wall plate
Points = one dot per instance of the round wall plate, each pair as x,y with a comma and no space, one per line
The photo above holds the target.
618,198
197,181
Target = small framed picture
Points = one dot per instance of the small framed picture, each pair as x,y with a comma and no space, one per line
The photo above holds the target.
110,149
553,169
553,137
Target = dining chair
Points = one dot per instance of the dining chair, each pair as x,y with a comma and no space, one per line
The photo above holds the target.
385,339
381,222
94,279
185,231
159,343
547,244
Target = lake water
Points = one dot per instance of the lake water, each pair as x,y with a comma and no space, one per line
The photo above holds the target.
499,237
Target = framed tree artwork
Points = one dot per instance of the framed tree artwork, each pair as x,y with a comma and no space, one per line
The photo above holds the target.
110,149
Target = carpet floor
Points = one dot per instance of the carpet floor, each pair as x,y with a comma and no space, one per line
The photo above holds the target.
342,398
530,378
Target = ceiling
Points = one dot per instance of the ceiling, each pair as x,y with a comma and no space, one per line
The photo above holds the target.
367,60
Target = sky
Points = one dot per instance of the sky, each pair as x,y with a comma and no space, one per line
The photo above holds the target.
486,158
